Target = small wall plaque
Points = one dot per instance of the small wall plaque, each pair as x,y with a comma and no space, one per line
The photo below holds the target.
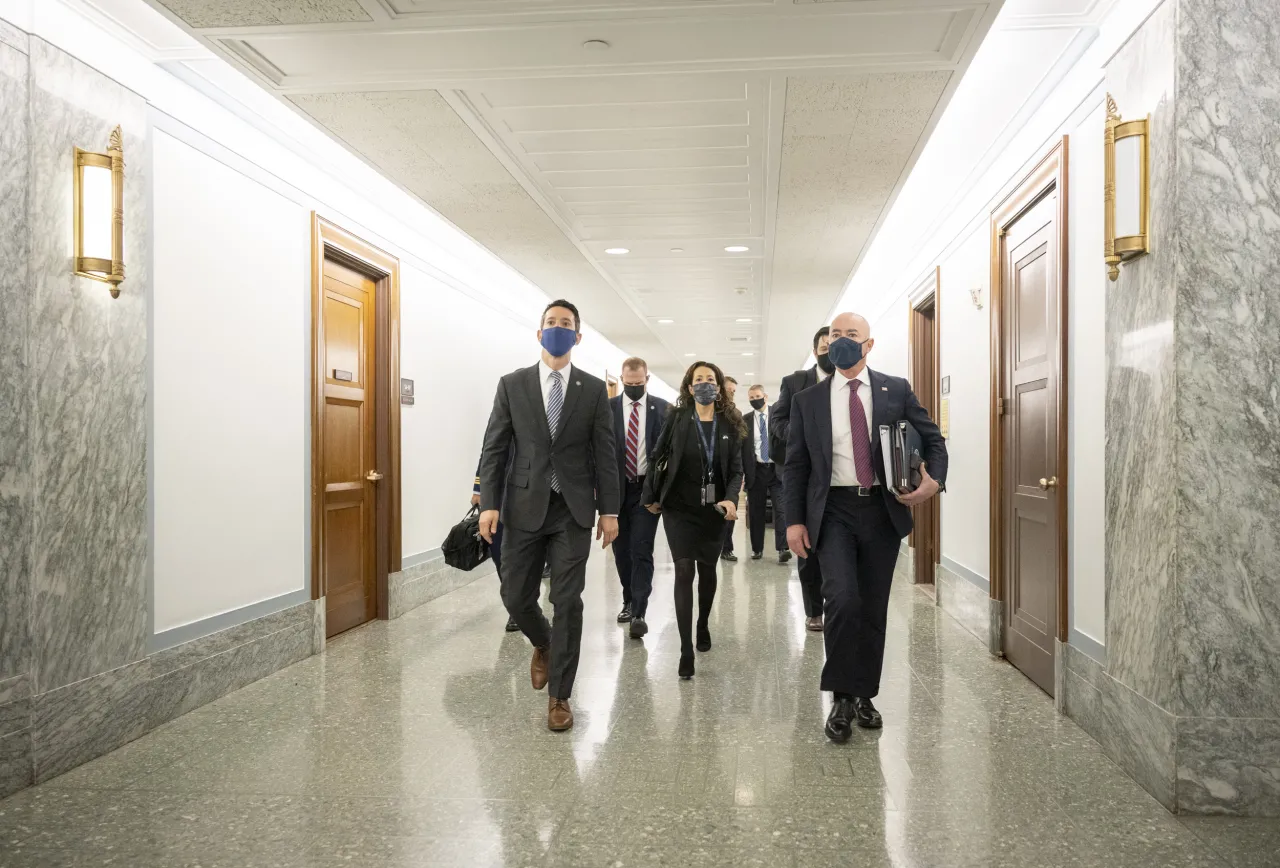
946,385
944,419
344,376
406,392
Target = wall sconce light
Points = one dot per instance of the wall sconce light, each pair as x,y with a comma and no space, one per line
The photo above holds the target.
1126,189
975,296
99,213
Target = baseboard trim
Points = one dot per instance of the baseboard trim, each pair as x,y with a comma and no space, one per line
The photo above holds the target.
1088,646
967,574
226,620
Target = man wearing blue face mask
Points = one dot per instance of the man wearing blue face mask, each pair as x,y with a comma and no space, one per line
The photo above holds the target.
555,418
839,511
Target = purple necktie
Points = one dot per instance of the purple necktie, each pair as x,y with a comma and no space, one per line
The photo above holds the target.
861,443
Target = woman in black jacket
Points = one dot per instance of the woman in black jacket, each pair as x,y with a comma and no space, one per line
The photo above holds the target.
697,493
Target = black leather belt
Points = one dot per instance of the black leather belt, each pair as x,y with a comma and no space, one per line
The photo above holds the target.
859,490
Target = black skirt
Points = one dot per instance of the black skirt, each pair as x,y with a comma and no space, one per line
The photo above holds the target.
694,531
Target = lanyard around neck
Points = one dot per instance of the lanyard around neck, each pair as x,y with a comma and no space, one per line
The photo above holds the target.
709,446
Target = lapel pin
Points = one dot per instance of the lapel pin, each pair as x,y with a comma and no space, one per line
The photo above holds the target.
577,382
884,388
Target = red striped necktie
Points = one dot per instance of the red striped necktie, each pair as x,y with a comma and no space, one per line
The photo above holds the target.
633,442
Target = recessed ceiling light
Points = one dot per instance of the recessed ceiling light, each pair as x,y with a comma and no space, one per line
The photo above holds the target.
744,319
666,321
736,248
689,355
595,45
748,373
677,250
616,251
748,354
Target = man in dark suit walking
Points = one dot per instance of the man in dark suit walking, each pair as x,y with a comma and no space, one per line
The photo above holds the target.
563,470
637,423
839,509
810,572
763,478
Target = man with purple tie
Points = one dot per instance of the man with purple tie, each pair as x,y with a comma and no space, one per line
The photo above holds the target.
839,511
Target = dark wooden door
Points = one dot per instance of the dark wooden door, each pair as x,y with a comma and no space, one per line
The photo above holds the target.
348,463
926,537
1031,299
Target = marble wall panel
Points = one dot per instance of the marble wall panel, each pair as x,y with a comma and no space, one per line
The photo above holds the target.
15,762
215,644
425,581
1228,365
1141,436
88,354
1229,765
15,385
964,601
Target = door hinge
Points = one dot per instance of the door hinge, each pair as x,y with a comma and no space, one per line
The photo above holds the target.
1000,406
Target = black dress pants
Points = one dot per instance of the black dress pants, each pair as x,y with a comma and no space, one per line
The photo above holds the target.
767,484
858,549
563,544
633,549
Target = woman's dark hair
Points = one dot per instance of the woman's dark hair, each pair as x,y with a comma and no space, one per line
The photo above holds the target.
723,405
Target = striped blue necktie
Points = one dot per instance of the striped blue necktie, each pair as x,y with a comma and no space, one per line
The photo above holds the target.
555,403
764,439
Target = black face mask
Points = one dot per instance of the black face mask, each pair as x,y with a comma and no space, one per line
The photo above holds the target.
635,393
757,403
825,364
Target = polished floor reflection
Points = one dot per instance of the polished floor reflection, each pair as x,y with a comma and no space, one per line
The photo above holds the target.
420,743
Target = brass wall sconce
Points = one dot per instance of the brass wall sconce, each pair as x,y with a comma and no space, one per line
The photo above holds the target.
1126,190
99,213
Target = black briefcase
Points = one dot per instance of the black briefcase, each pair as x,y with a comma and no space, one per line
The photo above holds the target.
464,549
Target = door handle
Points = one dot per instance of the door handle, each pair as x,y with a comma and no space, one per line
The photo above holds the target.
375,476
1046,484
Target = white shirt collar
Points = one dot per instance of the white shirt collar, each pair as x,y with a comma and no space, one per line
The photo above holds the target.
627,400
544,371
843,382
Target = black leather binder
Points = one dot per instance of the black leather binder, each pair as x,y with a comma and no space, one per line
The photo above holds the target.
901,447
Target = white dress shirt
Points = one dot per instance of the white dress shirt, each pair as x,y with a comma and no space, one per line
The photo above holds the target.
545,372
757,415
843,470
642,454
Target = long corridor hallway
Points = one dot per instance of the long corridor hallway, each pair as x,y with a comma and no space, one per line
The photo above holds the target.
419,742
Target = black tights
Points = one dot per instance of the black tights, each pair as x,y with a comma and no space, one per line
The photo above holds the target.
684,598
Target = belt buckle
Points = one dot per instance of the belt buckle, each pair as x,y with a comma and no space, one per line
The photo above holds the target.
864,492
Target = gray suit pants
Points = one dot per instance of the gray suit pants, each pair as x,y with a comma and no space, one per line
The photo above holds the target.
564,545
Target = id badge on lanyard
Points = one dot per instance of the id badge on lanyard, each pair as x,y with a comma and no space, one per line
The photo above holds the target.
709,451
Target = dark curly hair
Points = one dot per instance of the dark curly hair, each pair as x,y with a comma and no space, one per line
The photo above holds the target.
723,405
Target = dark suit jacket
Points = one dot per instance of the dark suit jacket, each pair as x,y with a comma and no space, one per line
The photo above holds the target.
655,414
675,433
780,412
808,472
582,453
749,463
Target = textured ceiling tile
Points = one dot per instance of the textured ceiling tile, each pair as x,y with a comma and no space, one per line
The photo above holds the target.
257,13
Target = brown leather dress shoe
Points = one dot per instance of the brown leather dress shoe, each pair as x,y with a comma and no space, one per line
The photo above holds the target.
814,625
559,715
538,668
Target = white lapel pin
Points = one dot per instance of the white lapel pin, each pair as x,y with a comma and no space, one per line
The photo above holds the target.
884,388
577,382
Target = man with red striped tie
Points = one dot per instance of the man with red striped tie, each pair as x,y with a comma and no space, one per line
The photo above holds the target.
637,423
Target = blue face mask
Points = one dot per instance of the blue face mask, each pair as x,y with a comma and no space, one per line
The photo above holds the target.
844,353
558,341
705,393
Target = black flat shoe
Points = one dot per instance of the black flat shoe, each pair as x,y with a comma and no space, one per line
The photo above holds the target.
784,557
512,626
686,666
638,628
868,717
840,722
625,615
729,556
704,639
755,556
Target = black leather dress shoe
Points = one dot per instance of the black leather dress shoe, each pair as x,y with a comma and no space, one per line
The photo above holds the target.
729,556
686,665
840,722
512,626
868,717
625,615
784,557
638,628
755,556
704,638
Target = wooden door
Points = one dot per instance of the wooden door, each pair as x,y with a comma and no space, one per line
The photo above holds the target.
1031,299
348,463
926,536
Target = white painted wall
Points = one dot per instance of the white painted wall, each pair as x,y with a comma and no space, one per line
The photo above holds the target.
231,318
1086,383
